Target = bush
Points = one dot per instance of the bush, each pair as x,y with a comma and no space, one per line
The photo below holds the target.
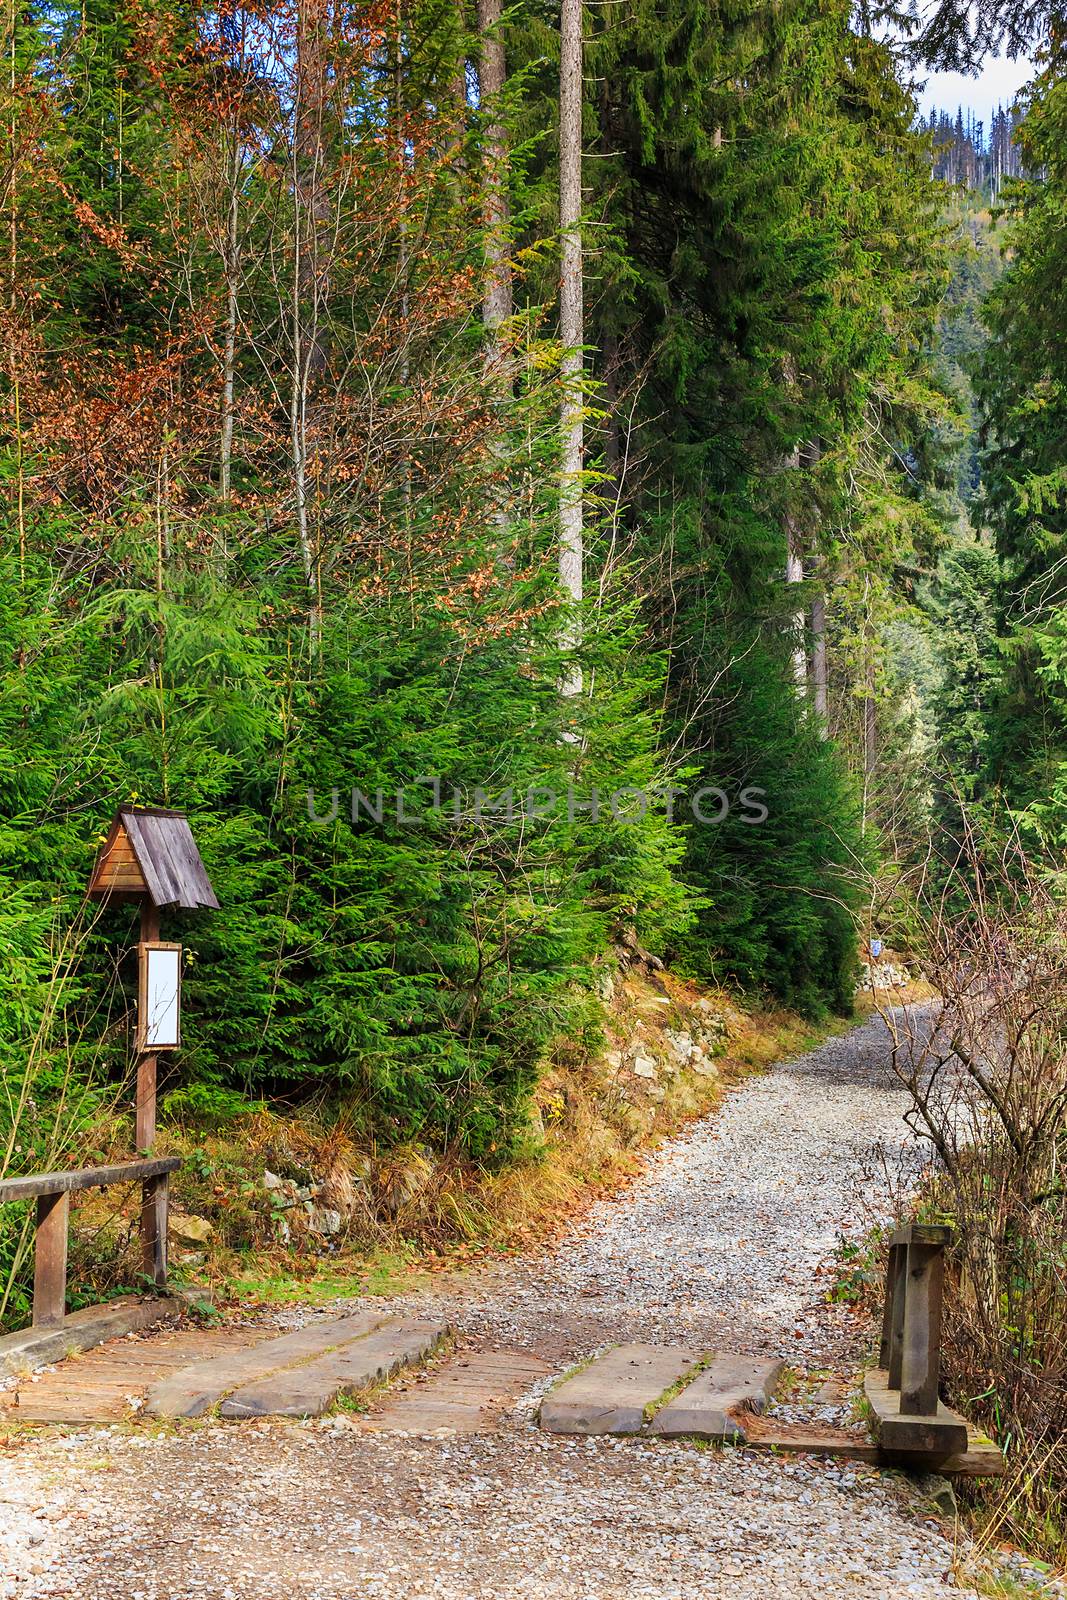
988,1084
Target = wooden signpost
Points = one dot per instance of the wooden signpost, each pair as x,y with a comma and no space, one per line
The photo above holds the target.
150,856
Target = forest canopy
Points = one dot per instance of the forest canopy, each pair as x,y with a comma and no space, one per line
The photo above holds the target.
457,408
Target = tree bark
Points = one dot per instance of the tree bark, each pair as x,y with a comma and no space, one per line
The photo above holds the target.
571,519
497,302
794,574
309,219
229,353
819,674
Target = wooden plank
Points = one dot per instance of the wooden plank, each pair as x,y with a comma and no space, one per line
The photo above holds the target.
123,875
122,850
920,1362
809,1438
309,1390
116,833
148,1358
80,1330
198,1387
463,1396
50,1260
102,1384
45,1183
981,1459
610,1395
941,1435
716,1404
166,850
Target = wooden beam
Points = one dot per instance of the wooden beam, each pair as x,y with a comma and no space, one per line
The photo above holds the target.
896,1316
50,1260
924,1233
145,1106
56,1183
154,1198
81,1330
893,1268
920,1368
934,1436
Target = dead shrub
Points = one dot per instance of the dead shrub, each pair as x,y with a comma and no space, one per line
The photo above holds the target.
986,1069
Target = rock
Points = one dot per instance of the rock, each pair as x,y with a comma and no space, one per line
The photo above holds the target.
323,1220
271,1179
703,1068
680,1043
189,1229
940,1491
613,1059
643,1067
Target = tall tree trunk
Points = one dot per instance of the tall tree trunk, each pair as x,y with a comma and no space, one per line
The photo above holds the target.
13,353
819,674
497,296
229,351
571,529
309,217
870,722
794,574
492,71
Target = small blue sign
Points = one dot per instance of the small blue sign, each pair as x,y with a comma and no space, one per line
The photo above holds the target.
876,948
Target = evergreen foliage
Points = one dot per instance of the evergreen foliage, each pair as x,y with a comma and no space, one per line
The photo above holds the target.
280,520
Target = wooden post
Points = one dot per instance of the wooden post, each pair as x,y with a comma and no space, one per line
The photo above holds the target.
920,1371
154,1200
50,1259
145,1130
893,1268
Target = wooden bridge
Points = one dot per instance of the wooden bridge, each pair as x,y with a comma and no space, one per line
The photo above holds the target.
106,1364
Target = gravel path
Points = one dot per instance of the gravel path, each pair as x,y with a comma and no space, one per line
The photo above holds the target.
720,1241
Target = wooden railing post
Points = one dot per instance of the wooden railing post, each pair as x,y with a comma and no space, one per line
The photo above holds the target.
896,1330
911,1318
893,1310
154,1201
920,1370
50,1259
145,1105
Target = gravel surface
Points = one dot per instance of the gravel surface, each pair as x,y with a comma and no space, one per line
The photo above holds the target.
720,1241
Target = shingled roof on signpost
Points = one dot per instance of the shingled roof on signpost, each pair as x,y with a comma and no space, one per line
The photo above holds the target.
151,852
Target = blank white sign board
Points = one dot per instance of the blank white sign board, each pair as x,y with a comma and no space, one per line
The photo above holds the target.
160,1021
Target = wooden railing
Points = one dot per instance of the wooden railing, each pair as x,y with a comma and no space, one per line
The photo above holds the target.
52,1191
911,1320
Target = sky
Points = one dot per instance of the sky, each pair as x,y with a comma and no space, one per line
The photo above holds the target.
995,85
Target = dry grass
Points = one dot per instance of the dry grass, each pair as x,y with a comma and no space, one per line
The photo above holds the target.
989,1094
